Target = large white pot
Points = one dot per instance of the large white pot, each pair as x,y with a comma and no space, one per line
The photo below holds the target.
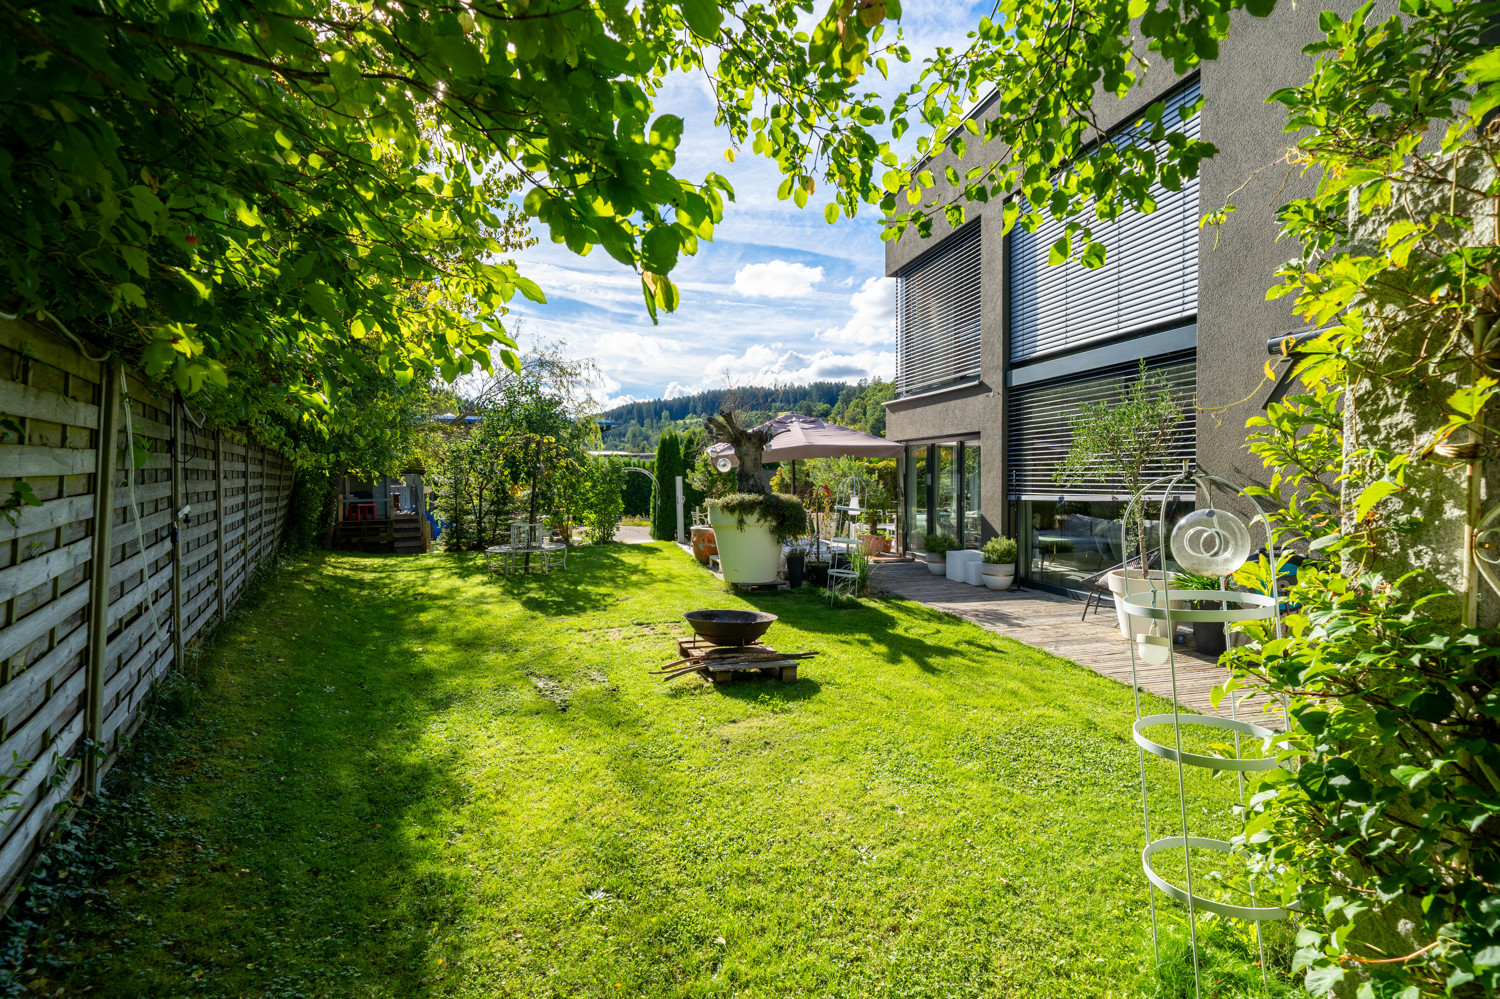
997,576
936,564
1138,582
747,554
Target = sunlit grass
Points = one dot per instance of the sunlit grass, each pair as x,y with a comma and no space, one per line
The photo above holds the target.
397,777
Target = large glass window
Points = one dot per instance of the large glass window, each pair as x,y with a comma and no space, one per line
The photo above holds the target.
945,491
915,489
1061,542
971,506
942,492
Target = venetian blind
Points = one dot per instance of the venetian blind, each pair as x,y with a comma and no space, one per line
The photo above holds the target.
1040,428
938,315
1149,279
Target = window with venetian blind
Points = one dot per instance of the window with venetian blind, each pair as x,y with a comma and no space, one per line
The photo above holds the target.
1149,280
938,315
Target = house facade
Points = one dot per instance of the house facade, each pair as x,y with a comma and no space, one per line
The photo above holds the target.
996,350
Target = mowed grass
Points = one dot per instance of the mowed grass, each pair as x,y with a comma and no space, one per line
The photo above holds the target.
398,777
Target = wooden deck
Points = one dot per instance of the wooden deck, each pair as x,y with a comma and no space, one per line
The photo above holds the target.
1051,623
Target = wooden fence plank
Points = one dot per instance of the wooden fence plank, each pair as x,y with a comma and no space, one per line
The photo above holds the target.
50,515
32,573
28,629
18,399
26,461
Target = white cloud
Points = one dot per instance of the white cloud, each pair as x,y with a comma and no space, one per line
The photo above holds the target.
763,364
776,279
874,320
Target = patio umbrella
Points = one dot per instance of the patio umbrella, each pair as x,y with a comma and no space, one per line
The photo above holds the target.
798,436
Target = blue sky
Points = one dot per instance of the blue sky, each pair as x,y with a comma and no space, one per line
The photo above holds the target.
778,296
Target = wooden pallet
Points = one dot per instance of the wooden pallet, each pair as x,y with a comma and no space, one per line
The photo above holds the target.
784,670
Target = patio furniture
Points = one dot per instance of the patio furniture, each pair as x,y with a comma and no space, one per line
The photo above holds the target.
544,557
359,510
1094,583
843,578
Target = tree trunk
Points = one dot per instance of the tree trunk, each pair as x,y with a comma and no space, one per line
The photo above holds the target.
749,449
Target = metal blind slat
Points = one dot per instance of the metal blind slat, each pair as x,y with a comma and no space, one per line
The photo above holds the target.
1150,276
938,316
1040,427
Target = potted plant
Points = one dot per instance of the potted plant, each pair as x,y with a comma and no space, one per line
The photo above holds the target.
999,569
751,526
1209,636
1124,439
876,500
936,547
796,564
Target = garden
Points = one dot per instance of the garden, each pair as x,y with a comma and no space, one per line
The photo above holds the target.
299,227
402,777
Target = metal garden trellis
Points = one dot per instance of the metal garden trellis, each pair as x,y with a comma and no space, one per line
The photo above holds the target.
1156,606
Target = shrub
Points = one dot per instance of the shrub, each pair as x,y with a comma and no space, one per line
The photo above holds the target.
1000,551
668,467
784,514
601,500
939,543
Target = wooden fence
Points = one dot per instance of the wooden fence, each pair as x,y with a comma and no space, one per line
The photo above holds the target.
94,610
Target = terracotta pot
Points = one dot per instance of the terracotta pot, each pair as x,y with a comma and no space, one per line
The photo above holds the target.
704,543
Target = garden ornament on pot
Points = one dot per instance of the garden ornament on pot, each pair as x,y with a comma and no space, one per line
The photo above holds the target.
1211,542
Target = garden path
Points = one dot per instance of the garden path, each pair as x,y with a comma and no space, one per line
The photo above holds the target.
1050,622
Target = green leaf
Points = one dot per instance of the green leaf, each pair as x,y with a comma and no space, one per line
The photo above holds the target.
704,17
1372,494
1093,256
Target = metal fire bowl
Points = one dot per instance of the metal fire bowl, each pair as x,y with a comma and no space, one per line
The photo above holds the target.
730,627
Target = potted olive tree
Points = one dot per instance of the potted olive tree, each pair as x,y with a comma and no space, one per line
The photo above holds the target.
1122,439
936,547
999,568
751,525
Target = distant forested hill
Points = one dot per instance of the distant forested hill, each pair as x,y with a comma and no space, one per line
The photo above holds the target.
853,405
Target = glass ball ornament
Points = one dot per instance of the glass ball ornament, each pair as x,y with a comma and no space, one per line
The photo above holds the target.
723,464
1211,542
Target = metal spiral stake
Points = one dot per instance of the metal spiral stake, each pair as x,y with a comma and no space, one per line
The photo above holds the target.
1215,544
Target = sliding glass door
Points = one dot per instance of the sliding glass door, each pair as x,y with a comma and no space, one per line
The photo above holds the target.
942,492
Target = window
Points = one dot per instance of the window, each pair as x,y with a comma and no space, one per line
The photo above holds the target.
1149,279
942,492
1041,432
937,315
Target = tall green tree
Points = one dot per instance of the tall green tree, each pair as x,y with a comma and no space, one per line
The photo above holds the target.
664,504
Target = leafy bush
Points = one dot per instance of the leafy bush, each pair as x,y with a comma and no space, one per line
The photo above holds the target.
601,500
785,515
1000,551
939,543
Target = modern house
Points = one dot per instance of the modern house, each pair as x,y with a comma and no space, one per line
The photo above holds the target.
996,350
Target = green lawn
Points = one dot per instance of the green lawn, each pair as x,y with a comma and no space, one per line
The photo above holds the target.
396,777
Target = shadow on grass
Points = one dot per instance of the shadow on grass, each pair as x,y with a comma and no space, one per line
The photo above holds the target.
869,624
264,831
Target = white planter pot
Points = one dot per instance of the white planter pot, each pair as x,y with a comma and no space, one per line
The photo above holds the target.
998,577
747,554
958,561
1138,582
936,564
